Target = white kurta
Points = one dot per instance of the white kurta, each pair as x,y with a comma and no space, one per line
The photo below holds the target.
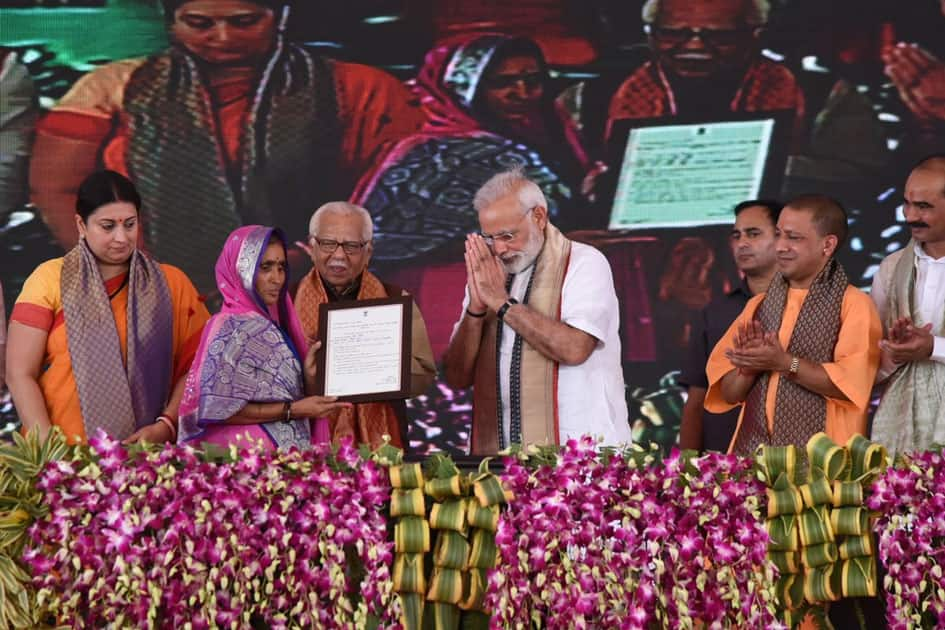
591,396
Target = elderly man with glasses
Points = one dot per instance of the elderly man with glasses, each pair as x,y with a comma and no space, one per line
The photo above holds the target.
340,236
706,62
537,338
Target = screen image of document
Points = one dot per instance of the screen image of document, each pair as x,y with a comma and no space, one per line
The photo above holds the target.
686,175
364,350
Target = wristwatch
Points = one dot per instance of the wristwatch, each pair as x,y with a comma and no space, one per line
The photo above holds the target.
795,365
505,307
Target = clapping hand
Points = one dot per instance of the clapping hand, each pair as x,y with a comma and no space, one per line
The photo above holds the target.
907,342
919,78
754,351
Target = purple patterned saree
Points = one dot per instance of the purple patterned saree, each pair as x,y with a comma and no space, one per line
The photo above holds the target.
248,353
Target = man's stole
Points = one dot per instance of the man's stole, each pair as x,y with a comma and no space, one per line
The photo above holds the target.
911,414
766,86
367,422
799,412
534,378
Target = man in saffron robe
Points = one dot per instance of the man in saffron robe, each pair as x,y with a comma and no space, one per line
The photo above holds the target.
231,125
802,356
537,339
341,239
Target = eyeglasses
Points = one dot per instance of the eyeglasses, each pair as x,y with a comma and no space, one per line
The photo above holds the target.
507,236
531,80
329,246
708,36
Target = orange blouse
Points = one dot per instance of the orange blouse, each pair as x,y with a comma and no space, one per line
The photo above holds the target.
39,305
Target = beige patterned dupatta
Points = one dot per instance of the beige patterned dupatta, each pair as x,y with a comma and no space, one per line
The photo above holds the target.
911,414
534,378
118,394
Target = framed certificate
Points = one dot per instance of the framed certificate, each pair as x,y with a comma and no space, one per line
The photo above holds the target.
366,352
679,172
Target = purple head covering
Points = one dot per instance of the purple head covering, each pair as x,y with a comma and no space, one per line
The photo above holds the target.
249,352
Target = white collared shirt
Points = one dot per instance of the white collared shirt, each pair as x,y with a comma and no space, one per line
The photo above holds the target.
929,298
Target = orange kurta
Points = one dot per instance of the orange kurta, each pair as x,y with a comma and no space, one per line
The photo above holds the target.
40,306
854,365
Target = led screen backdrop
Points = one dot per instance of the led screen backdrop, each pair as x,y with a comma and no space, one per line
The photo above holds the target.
86,84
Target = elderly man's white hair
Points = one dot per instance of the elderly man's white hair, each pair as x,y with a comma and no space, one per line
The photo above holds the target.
756,12
343,208
504,184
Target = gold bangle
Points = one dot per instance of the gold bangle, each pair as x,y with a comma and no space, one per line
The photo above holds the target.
795,365
288,410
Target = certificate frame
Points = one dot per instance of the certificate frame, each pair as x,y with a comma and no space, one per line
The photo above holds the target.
325,311
771,177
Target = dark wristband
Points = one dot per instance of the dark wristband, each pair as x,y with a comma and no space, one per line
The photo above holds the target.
505,307
476,315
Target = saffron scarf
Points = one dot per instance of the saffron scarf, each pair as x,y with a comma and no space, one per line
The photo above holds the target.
911,414
366,423
248,353
799,412
118,394
534,377
765,87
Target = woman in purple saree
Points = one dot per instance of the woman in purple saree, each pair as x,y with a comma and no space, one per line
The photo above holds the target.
254,372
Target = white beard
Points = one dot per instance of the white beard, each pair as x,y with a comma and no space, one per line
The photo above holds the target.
525,258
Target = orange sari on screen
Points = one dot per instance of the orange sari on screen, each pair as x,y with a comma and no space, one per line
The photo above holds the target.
211,153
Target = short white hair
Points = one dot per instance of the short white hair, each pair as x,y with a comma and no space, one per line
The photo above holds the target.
506,183
343,208
756,12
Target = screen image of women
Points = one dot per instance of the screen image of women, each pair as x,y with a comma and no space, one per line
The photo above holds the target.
232,124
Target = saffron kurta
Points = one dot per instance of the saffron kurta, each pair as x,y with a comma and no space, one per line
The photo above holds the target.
856,359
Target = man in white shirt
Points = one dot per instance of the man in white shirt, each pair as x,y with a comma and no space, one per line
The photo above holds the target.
909,292
537,338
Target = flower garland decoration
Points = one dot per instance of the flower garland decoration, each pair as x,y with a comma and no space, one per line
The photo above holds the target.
142,537
165,538
630,540
910,501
